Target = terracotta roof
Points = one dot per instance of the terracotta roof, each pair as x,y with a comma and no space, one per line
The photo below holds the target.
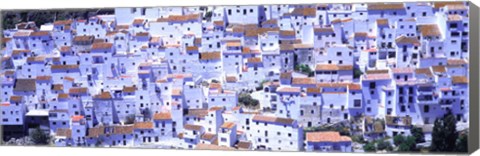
287,33
192,48
19,52
57,87
83,38
101,46
234,43
138,21
329,136
323,30
78,90
64,66
25,85
254,60
231,78
44,78
77,118
244,145
304,12
36,59
103,96
459,80
40,33
439,69
62,96
208,136
228,125
162,116
63,22
65,49
303,80
438,5
286,75
454,62
142,34
329,67
199,113
218,23
270,22
385,6
429,30
354,86
377,77
425,71
382,22
128,129
193,127
68,78
377,71
263,118
15,98
129,89
286,47
143,125
407,40
314,90
210,56
64,132
289,89
96,131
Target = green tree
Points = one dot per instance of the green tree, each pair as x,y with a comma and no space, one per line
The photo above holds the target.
39,137
398,139
417,132
444,134
384,145
462,143
357,73
247,100
408,144
130,119
369,147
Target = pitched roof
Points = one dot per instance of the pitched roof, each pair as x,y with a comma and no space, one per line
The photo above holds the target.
83,38
459,80
40,33
456,62
192,127
143,125
430,30
329,136
304,12
96,131
103,96
25,85
127,129
101,46
244,144
64,132
303,80
405,70
202,146
210,56
329,67
424,71
288,89
208,136
15,98
78,90
129,89
162,116
385,6
228,125
407,40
